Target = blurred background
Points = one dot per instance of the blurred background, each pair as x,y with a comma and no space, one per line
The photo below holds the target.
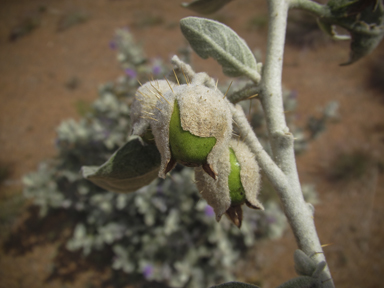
54,55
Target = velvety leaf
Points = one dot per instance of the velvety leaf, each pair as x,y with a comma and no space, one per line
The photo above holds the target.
304,265
364,19
370,21
347,8
235,285
302,282
319,269
361,46
131,167
205,6
212,39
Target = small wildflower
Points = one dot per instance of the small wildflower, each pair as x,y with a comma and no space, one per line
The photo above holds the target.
148,271
131,73
208,211
271,219
159,190
112,45
293,94
106,134
156,70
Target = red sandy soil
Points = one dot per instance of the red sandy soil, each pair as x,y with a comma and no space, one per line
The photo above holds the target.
34,100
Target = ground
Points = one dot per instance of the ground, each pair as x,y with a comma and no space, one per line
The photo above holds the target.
36,95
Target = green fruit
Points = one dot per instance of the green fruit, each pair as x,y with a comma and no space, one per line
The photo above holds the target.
236,189
188,149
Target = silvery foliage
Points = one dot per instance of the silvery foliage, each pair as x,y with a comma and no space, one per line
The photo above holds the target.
364,20
146,228
213,39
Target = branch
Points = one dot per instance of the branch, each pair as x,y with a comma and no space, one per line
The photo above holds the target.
269,167
287,185
311,7
271,87
244,93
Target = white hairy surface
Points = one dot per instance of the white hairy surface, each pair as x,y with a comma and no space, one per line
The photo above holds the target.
249,172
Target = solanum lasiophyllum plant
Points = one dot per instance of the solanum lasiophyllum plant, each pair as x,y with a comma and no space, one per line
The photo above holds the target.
195,125
190,124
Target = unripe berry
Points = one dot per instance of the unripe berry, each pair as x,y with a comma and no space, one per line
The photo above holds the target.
188,149
192,125
238,183
236,189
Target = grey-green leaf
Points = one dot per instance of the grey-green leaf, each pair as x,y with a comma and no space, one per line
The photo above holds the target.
364,19
304,265
235,285
131,167
205,6
302,282
362,45
212,39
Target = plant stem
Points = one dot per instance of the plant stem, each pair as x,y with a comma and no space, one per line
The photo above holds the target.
244,93
269,167
296,209
311,7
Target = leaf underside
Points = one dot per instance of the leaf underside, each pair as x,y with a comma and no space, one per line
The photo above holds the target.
131,167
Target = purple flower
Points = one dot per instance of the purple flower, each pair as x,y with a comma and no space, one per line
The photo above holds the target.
131,73
208,211
112,45
106,134
293,94
159,190
156,70
147,271
271,219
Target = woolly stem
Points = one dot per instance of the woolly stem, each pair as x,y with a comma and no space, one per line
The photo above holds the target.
311,7
283,172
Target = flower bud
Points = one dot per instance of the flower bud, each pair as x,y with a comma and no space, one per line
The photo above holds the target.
238,183
192,125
